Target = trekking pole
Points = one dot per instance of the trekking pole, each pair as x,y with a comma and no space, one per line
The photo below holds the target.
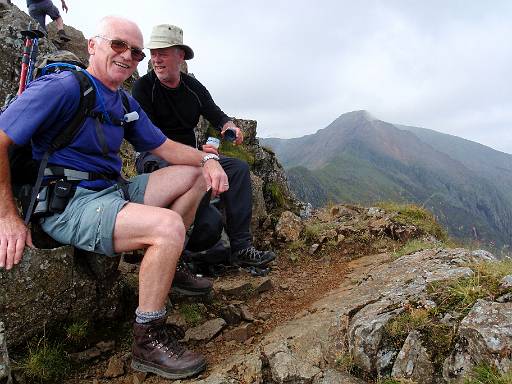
29,36
33,55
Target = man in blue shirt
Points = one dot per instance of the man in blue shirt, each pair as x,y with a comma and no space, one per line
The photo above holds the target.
151,213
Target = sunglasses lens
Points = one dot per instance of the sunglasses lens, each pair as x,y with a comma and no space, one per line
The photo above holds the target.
137,54
118,46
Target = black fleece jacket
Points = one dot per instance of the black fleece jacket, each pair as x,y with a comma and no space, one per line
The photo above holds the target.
176,111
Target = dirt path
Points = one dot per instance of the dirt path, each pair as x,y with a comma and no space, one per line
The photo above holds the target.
295,286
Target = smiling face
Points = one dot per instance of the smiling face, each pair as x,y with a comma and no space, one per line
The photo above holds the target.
166,64
109,67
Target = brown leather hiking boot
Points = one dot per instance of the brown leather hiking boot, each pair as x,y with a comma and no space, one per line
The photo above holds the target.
188,284
156,349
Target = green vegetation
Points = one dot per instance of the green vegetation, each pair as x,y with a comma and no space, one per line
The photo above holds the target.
239,151
296,249
436,337
410,214
398,328
415,245
192,313
46,363
345,362
455,297
277,194
77,332
460,295
484,374
313,231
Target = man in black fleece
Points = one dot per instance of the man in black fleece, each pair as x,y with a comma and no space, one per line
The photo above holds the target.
174,101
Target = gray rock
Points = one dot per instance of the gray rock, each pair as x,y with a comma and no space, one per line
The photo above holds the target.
365,334
205,331
289,227
232,314
485,336
313,248
5,366
331,376
413,361
50,286
285,367
506,283
246,314
240,333
115,367
483,255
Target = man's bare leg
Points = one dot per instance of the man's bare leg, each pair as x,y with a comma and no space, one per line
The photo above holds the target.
160,230
191,192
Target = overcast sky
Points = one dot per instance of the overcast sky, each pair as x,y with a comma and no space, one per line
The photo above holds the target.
295,66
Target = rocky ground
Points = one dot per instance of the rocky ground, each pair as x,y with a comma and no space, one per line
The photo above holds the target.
340,305
317,258
252,306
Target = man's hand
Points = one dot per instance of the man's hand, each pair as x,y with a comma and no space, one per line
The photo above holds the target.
239,138
14,234
215,177
210,149
64,6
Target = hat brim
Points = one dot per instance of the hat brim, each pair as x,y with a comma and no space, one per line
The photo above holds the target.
189,53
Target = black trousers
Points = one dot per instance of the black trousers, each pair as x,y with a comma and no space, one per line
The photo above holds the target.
237,200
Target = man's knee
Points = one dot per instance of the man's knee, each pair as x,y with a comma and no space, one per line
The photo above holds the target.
169,229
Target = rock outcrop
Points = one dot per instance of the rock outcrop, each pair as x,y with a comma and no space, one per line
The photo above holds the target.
52,286
352,324
5,367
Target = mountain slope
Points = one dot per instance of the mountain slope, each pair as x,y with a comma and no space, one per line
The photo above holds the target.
358,158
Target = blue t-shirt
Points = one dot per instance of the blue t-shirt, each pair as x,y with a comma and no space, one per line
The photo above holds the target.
49,104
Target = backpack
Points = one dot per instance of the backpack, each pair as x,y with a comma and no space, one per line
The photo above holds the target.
26,173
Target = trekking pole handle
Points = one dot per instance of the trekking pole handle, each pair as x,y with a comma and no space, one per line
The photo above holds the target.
24,65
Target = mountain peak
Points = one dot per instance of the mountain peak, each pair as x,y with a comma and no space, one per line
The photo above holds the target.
361,114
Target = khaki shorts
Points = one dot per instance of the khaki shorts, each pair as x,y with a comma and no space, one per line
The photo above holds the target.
89,218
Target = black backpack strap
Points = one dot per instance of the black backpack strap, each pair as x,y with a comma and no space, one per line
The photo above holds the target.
65,137
85,106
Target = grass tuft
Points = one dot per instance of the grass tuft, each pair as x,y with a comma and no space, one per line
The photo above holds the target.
192,313
77,332
238,151
46,363
410,214
413,246
460,295
484,374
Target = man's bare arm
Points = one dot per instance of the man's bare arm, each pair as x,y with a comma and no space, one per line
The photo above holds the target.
180,154
14,234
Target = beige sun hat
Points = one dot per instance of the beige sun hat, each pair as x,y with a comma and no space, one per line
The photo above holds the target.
167,35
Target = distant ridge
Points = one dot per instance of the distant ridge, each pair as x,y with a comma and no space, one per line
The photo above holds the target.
360,159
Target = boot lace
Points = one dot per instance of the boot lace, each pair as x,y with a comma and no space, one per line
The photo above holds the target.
252,254
165,337
186,271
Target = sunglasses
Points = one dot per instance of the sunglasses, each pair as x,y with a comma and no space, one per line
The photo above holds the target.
120,46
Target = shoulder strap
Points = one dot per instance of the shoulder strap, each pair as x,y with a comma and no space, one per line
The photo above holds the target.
125,101
85,105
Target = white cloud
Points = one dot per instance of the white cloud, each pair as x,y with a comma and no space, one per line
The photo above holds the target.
297,65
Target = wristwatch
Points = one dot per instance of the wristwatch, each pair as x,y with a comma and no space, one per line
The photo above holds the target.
209,156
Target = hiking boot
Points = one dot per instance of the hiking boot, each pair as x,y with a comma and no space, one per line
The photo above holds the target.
251,257
188,284
62,35
156,349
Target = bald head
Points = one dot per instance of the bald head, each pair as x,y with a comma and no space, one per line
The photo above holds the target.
107,62
111,24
